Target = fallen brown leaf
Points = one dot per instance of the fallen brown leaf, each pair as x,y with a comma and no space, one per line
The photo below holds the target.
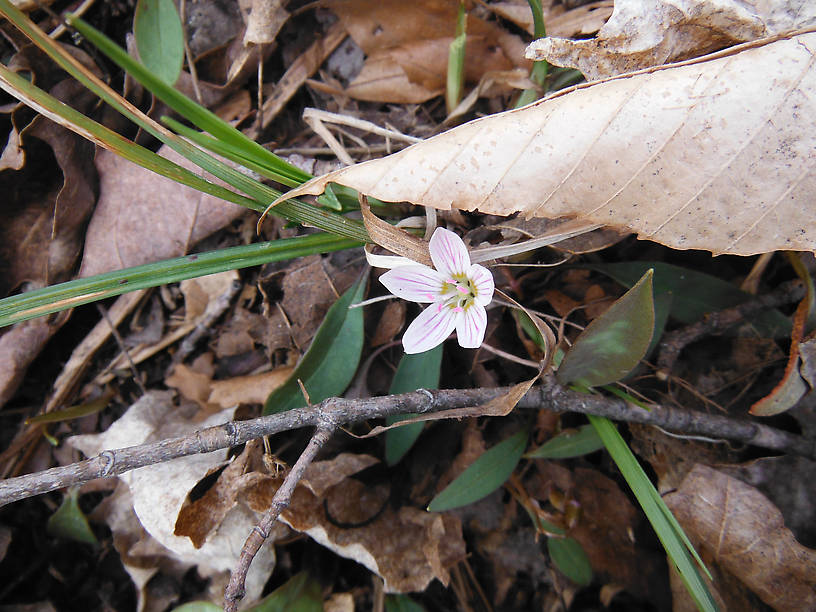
683,155
142,217
746,534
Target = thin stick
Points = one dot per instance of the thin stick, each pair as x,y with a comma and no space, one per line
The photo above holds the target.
283,496
549,395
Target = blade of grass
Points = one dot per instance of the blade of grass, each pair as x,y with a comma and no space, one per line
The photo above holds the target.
540,70
456,62
290,209
204,119
59,112
82,291
668,530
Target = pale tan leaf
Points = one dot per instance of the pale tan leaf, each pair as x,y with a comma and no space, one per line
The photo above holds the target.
746,535
642,34
713,154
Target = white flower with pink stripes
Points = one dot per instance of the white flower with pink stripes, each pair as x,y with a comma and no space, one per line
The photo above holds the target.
457,290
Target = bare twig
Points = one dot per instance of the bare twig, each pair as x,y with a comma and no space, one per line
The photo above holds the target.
549,395
283,496
716,322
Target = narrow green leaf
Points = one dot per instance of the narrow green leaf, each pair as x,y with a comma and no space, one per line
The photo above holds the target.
668,530
570,559
84,290
159,38
614,342
70,522
331,361
456,61
401,603
483,476
74,412
694,294
417,371
200,116
301,593
198,606
568,444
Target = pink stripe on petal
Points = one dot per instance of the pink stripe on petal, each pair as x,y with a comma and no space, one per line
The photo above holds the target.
428,330
470,328
482,279
448,252
413,283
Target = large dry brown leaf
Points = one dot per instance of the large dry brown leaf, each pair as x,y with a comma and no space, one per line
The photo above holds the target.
712,154
746,535
406,44
642,34
142,217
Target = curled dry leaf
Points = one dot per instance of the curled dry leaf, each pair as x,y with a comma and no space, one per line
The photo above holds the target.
639,35
712,154
158,492
746,535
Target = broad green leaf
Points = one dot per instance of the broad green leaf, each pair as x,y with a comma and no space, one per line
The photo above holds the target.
417,371
159,38
198,606
70,522
483,476
84,290
694,294
568,444
614,342
331,361
570,559
668,530
301,593
401,603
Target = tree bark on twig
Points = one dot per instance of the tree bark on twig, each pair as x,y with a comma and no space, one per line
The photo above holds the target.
548,395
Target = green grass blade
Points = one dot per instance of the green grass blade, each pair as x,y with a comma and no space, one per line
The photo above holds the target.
197,114
82,291
568,444
456,62
47,105
668,530
571,559
290,209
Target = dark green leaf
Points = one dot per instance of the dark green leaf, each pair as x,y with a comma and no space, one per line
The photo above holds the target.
694,294
570,559
331,361
483,476
301,593
401,603
614,342
417,371
70,522
159,38
568,444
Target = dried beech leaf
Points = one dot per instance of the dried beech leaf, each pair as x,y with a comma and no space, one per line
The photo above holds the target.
746,535
713,154
644,34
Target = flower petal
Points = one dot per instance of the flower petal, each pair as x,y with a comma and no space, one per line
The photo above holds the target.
470,328
414,283
448,252
482,280
429,329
